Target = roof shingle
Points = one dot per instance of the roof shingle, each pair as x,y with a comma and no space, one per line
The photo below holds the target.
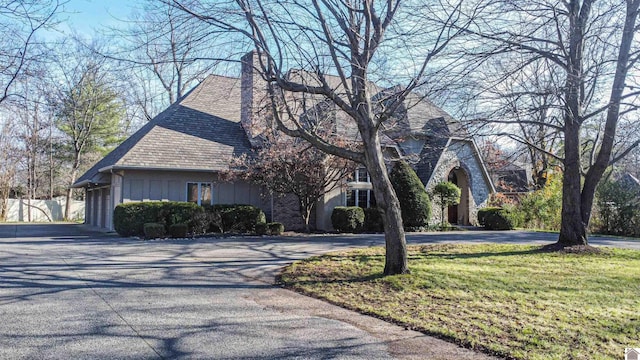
201,131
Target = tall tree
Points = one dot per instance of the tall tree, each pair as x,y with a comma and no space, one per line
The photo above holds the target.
527,110
89,113
8,163
324,54
590,47
20,23
164,50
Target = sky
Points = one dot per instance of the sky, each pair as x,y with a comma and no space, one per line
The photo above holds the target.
86,16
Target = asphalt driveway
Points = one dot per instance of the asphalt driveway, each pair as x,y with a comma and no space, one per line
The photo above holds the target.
66,292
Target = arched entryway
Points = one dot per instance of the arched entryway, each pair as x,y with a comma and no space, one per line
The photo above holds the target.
459,214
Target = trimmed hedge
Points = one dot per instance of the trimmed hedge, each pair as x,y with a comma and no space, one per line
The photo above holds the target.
262,229
129,218
482,213
496,219
234,218
347,218
178,230
153,230
373,220
414,199
275,228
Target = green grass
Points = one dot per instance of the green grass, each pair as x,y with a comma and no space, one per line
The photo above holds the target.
511,300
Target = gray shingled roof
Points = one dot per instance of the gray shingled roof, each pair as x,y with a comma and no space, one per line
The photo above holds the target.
201,131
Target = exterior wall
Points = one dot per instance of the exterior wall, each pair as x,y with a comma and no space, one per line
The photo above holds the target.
325,207
139,185
461,154
43,210
172,186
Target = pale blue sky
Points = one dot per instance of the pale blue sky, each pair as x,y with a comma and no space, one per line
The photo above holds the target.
85,16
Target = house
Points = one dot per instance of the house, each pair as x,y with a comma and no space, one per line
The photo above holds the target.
511,179
180,154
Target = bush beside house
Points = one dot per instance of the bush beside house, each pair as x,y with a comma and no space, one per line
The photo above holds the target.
129,219
414,199
234,218
153,230
373,221
494,218
349,219
274,228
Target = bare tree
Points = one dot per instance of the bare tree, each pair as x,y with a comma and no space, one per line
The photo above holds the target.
8,163
288,165
526,108
324,54
588,47
20,23
163,50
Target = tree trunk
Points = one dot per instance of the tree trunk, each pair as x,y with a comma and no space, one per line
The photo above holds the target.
306,214
69,195
387,201
67,205
573,231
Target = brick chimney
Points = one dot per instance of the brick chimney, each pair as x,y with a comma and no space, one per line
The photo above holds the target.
253,109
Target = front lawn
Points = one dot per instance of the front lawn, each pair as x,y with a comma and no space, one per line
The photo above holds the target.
511,300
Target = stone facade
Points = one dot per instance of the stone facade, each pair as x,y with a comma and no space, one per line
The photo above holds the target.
461,157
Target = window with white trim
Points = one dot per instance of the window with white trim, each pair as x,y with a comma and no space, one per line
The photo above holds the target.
200,193
359,192
363,198
361,176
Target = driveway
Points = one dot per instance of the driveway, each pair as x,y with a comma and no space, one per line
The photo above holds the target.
66,292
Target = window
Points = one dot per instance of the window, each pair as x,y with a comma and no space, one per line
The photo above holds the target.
361,197
362,176
359,192
199,193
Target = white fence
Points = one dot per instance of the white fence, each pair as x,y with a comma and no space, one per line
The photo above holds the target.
43,210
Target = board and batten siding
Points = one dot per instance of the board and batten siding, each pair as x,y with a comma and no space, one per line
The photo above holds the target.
172,186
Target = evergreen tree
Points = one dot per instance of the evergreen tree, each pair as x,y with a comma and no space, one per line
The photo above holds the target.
88,113
414,200
446,194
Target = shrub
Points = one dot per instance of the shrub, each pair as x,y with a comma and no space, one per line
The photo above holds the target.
178,230
541,209
482,213
153,230
213,218
497,219
275,228
618,208
129,218
446,194
262,229
414,200
200,222
373,220
347,218
242,218
236,218
176,212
